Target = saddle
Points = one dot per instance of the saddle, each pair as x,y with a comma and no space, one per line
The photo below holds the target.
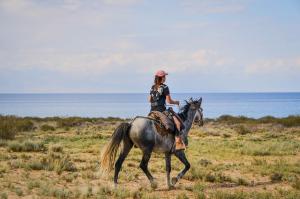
164,124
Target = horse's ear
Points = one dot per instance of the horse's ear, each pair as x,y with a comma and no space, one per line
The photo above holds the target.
191,99
200,100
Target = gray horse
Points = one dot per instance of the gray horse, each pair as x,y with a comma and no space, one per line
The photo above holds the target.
142,133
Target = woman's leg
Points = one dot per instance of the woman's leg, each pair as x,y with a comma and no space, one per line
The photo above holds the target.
177,124
179,143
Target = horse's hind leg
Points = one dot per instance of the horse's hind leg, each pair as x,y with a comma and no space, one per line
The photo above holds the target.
144,167
127,145
181,156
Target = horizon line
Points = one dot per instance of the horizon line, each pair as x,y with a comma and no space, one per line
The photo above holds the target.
221,92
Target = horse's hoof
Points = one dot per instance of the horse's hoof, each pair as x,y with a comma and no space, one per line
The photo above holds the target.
174,181
115,185
153,185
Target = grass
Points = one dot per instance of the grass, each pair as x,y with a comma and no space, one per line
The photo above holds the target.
26,146
231,157
47,127
290,121
7,129
10,125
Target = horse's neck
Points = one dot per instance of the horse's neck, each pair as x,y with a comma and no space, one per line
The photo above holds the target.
188,122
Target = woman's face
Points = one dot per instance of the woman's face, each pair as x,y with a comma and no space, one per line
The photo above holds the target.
163,79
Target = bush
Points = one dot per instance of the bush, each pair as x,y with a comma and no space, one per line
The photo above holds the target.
23,124
56,148
10,125
242,181
296,184
7,129
52,162
3,143
242,130
58,162
233,120
26,146
71,121
290,121
276,177
47,127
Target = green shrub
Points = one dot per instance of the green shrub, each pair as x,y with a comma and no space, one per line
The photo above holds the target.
35,165
209,177
3,142
233,120
47,127
18,191
33,184
3,195
70,121
296,184
290,121
198,187
7,129
58,162
242,130
60,193
276,177
204,162
56,148
26,146
24,125
10,125
52,162
182,196
195,173
242,181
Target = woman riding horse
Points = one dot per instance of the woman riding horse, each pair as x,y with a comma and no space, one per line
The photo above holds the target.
159,94
141,132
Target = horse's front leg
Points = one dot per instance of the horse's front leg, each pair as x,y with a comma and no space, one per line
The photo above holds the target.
181,156
168,169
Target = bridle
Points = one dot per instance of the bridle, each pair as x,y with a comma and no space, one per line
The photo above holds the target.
199,119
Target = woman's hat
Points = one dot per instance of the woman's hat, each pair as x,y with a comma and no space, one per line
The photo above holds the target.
161,73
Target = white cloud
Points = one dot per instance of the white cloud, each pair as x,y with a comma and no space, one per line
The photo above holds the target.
277,66
187,25
213,6
121,2
87,63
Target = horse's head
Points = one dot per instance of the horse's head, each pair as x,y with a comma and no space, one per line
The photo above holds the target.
195,109
199,113
190,113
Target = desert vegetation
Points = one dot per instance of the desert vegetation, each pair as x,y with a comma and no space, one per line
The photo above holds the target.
231,157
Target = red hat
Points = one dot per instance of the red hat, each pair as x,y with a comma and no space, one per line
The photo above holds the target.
161,73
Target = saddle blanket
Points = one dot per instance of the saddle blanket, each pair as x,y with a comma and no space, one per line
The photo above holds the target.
166,124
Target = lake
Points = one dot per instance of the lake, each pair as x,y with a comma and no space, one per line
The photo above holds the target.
127,105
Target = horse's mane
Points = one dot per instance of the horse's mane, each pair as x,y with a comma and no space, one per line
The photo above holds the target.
183,111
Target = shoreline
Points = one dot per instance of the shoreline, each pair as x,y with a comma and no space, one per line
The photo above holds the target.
129,118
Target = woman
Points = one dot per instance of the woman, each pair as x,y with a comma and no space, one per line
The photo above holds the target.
159,95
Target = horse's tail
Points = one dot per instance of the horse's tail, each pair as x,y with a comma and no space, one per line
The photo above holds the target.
109,152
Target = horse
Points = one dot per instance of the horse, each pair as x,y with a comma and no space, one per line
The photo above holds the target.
142,133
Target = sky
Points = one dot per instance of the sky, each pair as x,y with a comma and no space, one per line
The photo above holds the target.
115,46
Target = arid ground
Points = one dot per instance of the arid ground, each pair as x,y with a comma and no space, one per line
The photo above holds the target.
231,157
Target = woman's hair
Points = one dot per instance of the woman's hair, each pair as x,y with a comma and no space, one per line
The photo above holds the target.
157,81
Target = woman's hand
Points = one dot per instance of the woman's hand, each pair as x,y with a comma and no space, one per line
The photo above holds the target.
171,101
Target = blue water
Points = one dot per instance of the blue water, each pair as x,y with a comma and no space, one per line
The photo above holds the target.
129,105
